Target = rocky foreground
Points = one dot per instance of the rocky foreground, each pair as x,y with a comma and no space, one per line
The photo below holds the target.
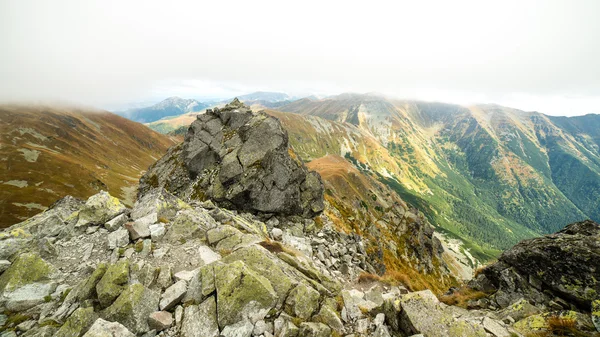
213,247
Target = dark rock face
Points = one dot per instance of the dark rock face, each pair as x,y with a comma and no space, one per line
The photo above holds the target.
555,267
241,160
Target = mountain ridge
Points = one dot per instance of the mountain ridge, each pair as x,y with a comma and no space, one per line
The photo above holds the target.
49,152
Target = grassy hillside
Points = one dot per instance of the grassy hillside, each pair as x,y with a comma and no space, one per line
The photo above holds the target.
49,152
487,174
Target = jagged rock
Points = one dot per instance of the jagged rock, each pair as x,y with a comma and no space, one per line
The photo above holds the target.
78,323
87,288
13,241
102,328
158,201
494,328
261,261
184,275
133,307
560,261
99,209
311,329
140,228
173,295
45,331
285,328
261,327
118,238
422,313
116,222
160,320
207,255
157,231
302,301
112,282
190,223
26,268
328,315
239,329
4,264
164,279
241,160
28,296
241,292
200,320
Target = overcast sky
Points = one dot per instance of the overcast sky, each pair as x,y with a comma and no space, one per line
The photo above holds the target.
532,55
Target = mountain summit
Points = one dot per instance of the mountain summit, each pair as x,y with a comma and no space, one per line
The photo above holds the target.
239,159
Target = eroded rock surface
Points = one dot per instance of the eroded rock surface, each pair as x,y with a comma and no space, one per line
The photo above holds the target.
241,160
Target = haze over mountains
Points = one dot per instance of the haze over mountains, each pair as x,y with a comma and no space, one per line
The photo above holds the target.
488,174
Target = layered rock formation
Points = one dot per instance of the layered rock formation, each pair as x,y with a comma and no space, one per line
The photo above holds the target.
241,160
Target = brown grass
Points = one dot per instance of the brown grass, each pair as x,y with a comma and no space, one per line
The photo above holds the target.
276,247
368,278
560,326
461,297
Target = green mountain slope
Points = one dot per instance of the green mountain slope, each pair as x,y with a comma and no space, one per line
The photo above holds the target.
488,174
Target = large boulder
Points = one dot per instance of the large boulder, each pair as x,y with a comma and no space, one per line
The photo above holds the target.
99,209
241,293
26,268
422,313
241,160
78,323
133,307
113,282
102,328
201,320
563,265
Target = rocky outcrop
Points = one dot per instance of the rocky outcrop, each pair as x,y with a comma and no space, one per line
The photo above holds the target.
556,271
241,160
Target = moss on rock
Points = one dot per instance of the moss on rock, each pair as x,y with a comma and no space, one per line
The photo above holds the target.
78,323
239,290
112,283
27,268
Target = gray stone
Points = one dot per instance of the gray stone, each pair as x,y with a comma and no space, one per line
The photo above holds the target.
157,231
4,264
102,328
207,255
184,275
311,329
116,223
133,307
28,296
99,209
140,228
239,329
494,328
173,295
200,320
118,238
160,320
277,234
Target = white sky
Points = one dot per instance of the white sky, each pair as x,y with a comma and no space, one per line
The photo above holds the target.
532,55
